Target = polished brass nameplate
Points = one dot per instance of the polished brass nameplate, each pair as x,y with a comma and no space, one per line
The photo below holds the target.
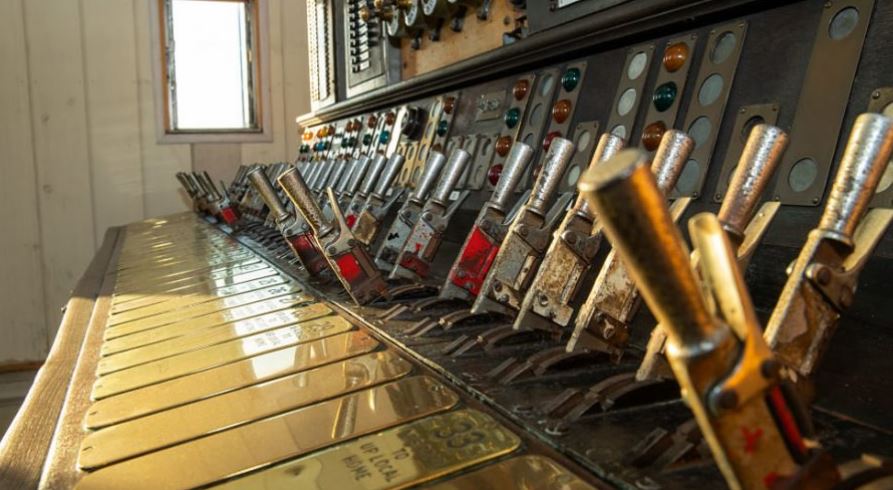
208,287
216,335
199,419
213,356
230,377
171,273
231,319
149,269
187,301
275,302
220,275
165,317
396,458
230,453
528,472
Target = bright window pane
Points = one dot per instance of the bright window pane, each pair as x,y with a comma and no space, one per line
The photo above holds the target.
211,70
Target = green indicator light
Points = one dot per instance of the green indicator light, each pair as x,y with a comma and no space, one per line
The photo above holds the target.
367,140
384,137
442,128
664,96
570,79
512,116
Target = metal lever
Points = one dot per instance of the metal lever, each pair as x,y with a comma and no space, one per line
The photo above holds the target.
602,323
705,353
822,280
421,246
761,155
409,213
482,243
526,240
568,259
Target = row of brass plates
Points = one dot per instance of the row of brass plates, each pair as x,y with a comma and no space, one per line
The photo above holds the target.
218,369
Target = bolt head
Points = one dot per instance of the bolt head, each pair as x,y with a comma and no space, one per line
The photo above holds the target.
727,399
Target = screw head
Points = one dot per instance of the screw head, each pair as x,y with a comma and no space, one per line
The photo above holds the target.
727,399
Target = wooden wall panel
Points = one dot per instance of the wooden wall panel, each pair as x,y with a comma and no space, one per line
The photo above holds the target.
161,194
59,122
294,71
79,148
24,325
113,116
274,151
220,160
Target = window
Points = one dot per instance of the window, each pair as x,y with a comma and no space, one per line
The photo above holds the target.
210,68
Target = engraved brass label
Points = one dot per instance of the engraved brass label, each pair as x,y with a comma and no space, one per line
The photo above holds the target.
215,335
166,317
213,356
199,419
213,318
126,302
221,274
269,441
230,377
396,458
178,273
521,472
188,301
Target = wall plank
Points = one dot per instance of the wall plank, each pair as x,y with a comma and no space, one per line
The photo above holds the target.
295,62
275,150
113,113
161,193
59,125
24,327
220,160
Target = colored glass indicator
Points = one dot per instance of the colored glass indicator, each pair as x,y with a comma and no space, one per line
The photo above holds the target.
503,145
520,89
675,56
384,137
561,111
547,141
664,96
652,135
320,146
449,104
390,118
305,148
321,133
442,128
307,136
367,139
371,121
512,117
494,173
570,79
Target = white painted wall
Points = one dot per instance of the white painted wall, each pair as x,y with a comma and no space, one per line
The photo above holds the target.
78,150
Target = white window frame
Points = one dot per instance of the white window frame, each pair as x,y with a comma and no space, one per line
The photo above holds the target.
164,135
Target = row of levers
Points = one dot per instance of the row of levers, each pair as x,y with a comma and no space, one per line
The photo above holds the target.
658,265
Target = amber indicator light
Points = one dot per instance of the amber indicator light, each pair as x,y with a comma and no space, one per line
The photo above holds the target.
449,104
561,111
652,135
675,56
520,89
503,145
